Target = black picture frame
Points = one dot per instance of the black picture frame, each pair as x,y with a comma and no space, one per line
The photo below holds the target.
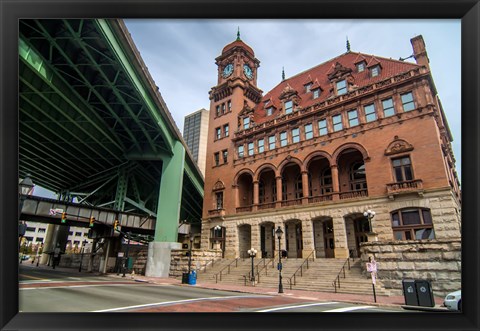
11,11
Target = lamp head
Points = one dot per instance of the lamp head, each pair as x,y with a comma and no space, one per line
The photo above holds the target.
26,185
279,232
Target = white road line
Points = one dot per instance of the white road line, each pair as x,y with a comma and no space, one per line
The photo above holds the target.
341,310
177,301
296,306
79,286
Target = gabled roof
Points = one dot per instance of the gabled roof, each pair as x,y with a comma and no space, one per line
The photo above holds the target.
320,76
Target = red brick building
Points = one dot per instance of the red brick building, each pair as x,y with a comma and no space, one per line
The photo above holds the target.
356,132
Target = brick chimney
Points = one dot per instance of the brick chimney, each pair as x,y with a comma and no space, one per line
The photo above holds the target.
419,51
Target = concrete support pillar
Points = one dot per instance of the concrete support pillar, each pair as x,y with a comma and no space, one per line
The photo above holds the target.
341,245
57,235
158,259
92,255
106,253
168,214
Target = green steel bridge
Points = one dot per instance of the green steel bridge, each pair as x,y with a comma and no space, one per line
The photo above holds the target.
93,125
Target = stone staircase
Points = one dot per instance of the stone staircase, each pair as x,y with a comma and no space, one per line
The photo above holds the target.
319,276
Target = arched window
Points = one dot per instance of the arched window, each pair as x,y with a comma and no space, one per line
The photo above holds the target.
358,178
298,187
412,224
261,191
326,181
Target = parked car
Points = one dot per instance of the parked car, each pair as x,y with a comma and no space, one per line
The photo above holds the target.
453,301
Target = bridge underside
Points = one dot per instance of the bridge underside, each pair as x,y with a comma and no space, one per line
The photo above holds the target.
92,124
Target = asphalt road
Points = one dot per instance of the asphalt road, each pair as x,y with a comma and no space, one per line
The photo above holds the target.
47,290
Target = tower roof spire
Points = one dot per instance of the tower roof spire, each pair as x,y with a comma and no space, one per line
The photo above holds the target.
348,45
238,34
283,73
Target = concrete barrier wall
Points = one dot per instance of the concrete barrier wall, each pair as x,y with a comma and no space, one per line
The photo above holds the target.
438,261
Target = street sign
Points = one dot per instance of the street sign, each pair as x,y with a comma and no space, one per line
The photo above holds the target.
372,266
120,254
55,211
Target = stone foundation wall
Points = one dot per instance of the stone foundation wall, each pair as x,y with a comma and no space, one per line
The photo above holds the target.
200,258
438,261
73,261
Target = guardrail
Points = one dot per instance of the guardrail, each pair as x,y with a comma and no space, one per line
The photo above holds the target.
208,263
300,269
226,267
342,270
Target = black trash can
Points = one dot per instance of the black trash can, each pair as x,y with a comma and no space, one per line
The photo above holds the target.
185,278
424,293
410,292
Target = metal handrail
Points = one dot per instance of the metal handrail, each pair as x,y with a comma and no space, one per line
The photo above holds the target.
337,278
228,266
294,276
207,263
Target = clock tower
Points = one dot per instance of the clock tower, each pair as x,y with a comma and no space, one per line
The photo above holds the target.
232,101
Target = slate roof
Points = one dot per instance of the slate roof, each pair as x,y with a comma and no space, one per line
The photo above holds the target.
319,74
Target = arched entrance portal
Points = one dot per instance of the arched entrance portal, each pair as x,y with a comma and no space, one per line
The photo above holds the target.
357,228
244,239
267,239
217,238
324,237
294,238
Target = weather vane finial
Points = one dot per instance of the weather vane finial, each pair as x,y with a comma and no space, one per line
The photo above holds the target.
348,45
283,73
238,34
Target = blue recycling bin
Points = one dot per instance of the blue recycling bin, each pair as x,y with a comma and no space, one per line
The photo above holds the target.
192,278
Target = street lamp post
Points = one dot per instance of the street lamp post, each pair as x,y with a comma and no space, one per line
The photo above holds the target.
125,264
279,234
190,255
24,250
252,252
81,255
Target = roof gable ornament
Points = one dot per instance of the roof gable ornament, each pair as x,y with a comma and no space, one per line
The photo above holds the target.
238,34
283,73
218,186
337,71
287,92
348,45
373,62
398,146
246,110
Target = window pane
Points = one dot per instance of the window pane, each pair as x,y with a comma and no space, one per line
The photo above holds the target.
337,123
407,101
408,173
316,93
408,235
308,131
341,87
398,235
410,217
388,109
288,107
398,175
427,217
370,114
424,234
352,118
283,139
250,148
397,162
395,219
322,127
295,135
271,142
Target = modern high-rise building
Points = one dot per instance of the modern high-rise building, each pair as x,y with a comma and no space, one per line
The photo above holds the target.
195,132
357,132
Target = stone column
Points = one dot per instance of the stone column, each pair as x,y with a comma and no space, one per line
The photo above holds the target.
279,191
341,245
255,195
307,238
335,182
305,187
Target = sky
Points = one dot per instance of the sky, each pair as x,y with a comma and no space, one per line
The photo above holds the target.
180,54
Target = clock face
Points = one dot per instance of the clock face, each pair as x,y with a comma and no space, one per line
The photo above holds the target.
228,70
248,71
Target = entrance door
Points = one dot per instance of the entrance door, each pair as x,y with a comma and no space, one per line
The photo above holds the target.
361,229
299,239
329,239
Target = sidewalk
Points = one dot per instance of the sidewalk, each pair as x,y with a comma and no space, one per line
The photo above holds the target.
389,301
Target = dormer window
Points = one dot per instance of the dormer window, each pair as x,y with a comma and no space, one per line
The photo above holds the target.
288,107
360,66
246,123
316,93
342,87
375,71
269,111
308,87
